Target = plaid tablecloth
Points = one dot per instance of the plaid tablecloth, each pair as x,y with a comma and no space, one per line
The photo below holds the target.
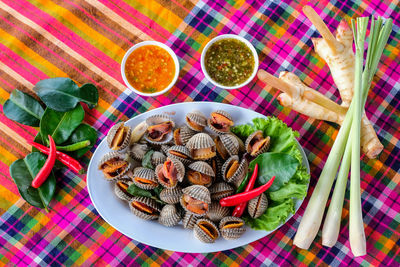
86,40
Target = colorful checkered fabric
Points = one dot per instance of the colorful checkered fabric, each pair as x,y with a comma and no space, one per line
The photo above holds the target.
86,40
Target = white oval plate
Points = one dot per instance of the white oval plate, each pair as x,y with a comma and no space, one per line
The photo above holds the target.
116,212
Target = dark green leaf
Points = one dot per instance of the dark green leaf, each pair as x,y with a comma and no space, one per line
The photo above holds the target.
23,108
62,94
138,192
281,165
60,125
81,133
158,190
242,186
146,162
23,171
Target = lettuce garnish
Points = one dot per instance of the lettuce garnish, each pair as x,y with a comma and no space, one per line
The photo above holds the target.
293,186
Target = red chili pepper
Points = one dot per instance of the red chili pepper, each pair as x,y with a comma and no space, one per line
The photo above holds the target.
47,167
68,161
239,209
245,196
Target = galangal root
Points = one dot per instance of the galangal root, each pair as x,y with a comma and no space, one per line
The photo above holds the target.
338,53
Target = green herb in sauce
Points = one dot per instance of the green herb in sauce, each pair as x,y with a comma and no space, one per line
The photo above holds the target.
229,62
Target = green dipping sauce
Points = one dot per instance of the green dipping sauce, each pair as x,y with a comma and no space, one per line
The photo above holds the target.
229,62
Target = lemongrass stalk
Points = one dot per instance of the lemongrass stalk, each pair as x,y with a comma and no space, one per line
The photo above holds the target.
312,217
331,228
356,226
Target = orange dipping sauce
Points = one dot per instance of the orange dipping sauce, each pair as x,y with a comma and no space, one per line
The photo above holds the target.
150,69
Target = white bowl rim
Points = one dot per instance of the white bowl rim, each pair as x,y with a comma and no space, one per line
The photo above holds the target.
230,36
159,44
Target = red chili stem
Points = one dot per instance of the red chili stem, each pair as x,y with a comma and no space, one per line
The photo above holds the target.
47,167
68,161
239,209
245,196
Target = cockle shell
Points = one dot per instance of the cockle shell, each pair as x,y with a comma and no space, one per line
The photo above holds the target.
189,220
201,146
158,158
221,190
180,172
182,135
234,171
138,132
257,206
206,231
145,208
165,148
120,189
201,173
216,212
227,145
181,153
196,193
119,136
255,137
196,120
171,196
169,215
138,150
114,165
220,122
231,227
145,178
157,120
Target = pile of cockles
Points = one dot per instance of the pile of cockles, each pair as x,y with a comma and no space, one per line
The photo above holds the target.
196,164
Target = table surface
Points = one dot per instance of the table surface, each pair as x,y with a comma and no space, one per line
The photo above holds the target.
86,40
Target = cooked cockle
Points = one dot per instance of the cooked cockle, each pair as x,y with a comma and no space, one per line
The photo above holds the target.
121,189
231,227
234,171
257,206
159,130
171,195
145,178
196,120
206,231
182,135
216,212
119,136
164,149
200,173
170,173
201,147
220,122
189,220
138,150
145,208
114,165
227,145
181,153
169,215
220,190
256,144
195,199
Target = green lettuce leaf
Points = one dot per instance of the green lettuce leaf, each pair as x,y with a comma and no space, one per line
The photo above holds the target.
273,216
289,190
282,199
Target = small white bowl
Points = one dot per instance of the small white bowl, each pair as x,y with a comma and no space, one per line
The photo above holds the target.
229,36
165,47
